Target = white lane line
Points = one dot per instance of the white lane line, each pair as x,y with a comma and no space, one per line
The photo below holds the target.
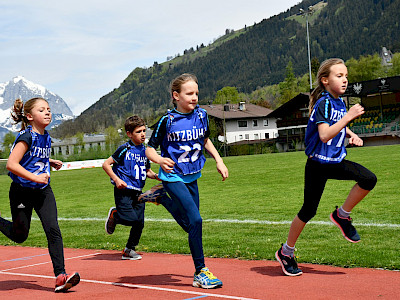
235,221
138,286
47,262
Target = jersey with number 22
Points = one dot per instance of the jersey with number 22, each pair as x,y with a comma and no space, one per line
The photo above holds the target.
36,158
183,139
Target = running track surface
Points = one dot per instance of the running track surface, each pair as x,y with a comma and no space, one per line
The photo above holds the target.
26,273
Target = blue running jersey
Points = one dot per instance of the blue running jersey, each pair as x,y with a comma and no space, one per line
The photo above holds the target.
131,165
36,158
326,110
181,138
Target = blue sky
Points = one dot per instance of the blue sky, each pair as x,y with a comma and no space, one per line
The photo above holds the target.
82,50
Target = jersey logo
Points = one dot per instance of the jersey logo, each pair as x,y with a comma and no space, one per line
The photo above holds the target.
21,206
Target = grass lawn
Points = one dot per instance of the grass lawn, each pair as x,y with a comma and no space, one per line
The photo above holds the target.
256,204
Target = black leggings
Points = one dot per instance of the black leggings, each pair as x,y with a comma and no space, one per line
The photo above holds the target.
22,201
316,175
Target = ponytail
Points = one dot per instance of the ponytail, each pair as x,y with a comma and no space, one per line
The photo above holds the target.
17,114
315,95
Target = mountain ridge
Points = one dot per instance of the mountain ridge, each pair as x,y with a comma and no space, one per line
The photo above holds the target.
253,59
21,88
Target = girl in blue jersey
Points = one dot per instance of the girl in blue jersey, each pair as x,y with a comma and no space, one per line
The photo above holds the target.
128,169
182,134
29,165
325,149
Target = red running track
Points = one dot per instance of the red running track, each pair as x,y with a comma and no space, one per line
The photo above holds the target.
26,273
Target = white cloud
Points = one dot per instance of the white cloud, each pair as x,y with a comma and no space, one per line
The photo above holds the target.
82,50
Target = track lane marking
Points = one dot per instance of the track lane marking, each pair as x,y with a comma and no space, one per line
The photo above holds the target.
148,287
47,262
234,221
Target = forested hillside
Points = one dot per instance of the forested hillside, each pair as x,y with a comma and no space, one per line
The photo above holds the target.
257,57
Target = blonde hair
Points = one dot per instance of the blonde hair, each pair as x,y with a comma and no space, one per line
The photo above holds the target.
177,83
20,110
323,71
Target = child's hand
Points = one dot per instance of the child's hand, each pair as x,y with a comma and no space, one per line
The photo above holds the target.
355,140
223,170
152,175
355,111
120,184
42,178
167,164
56,164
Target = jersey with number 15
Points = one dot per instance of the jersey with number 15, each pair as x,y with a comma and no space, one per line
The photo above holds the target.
181,137
326,110
131,165
36,158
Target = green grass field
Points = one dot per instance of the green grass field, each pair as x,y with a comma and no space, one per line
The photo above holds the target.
247,216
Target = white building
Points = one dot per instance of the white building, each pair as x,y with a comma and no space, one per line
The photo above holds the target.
243,122
72,145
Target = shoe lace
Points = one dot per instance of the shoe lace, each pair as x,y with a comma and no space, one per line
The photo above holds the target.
209,275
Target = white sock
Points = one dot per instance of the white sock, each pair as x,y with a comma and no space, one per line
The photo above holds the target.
287,250
342,213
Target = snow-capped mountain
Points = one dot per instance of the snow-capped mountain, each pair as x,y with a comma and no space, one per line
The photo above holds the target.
21,88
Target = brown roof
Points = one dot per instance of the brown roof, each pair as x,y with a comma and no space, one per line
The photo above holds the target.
250,111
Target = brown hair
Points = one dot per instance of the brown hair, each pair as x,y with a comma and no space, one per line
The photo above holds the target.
133,122
323,71
176,84
20,110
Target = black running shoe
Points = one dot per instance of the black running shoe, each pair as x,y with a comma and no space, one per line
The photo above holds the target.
288,264
345,226
110,221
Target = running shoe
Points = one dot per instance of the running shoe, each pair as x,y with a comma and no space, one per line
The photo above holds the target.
111,222
345,226
154,194
64,282
130,254
206,280
288,264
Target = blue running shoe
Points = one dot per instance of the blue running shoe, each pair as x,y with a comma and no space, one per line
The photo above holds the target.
345,226
154,194
288,264
206,280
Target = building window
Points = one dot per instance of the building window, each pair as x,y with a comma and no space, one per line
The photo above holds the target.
266,135
265,122
240,137
242,123
246,136
304,113
256,136
255,123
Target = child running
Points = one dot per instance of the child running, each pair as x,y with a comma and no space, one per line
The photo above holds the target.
29,165
128,168
325,149
182,134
